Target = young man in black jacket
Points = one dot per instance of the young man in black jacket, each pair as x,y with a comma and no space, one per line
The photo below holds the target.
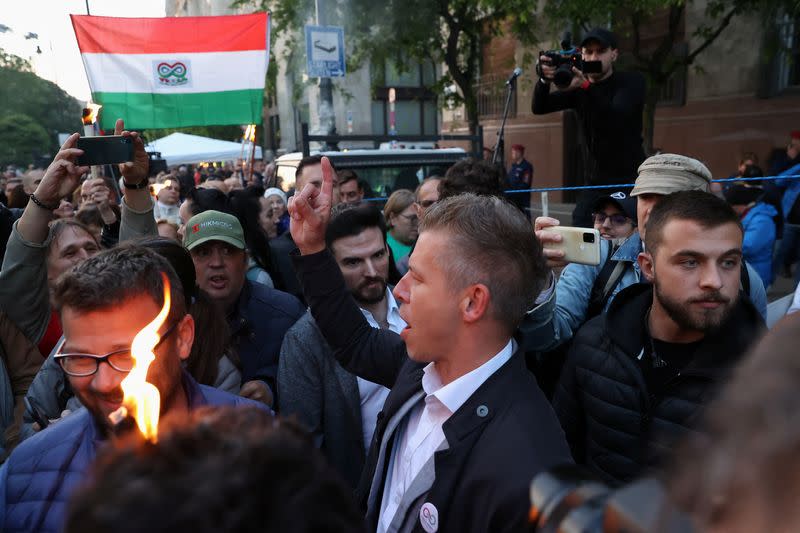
637,377
609,105
465,428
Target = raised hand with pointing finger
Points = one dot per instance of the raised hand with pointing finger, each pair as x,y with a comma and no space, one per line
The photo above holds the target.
310,211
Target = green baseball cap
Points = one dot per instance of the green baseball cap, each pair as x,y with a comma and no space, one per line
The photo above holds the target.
213,226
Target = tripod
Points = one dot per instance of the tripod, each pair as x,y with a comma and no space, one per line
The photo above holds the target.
499,148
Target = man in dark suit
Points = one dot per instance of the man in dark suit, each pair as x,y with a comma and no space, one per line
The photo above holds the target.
465,427
337,407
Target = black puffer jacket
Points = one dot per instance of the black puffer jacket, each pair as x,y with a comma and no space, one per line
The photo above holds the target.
614,425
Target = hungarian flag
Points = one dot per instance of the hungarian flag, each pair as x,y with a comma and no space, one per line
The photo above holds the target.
176,71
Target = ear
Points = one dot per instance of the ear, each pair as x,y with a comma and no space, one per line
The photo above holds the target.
647,265
184,335
614,55
418,209
475,302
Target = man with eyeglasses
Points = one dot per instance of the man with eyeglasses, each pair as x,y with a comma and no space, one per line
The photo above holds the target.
104,302
427,194
584,291
614,216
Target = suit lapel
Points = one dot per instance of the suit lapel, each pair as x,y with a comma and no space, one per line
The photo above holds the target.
348,384
403,396
463,430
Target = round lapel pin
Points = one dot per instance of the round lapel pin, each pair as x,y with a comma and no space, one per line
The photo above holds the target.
429,517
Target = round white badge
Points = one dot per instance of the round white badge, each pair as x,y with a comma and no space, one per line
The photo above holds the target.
429,517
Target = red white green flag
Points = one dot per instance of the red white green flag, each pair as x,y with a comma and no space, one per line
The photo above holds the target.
175,71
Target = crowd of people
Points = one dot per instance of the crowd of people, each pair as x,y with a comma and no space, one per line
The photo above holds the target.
327,365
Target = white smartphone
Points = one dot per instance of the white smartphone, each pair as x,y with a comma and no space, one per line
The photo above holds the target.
580,245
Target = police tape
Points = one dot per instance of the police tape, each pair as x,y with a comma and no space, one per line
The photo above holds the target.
630,185
613,186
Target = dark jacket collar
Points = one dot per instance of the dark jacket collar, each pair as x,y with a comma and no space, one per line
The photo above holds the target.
237,320
624,326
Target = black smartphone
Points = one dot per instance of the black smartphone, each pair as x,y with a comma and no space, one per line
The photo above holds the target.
36,414
592,67
105,150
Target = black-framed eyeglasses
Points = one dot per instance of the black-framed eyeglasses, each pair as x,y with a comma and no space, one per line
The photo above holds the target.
616,219
86,364
410,218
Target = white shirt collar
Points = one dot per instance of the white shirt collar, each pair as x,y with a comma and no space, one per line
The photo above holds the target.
454,394
396,323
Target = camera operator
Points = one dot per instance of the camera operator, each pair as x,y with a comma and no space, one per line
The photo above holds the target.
609,106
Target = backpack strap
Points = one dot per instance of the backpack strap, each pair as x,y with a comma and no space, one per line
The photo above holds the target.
745,278
604,284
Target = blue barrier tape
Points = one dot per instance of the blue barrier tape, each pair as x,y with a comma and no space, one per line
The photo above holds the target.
630,185
613,186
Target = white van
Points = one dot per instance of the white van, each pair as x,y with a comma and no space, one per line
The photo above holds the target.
385,170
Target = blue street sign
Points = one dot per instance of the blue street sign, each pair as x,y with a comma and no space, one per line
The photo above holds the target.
325,51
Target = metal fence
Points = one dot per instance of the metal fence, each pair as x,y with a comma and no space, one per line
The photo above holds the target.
491,92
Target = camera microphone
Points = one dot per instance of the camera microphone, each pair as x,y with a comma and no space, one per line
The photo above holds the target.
514,76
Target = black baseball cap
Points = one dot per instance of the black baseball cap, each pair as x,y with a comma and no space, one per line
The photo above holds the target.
624,202
602,36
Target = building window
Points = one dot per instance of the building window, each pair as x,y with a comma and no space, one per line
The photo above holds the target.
788,57
673,92
415,104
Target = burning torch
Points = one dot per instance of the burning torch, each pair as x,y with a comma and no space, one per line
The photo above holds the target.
142,401
89,117
249,178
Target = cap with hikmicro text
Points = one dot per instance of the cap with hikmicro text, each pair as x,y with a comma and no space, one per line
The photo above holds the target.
602,36
669,173
213,226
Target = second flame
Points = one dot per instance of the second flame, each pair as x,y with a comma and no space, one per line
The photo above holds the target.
142,399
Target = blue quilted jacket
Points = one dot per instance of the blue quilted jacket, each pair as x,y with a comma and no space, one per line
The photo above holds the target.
39,477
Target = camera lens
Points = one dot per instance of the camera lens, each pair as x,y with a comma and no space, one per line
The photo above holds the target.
588,237
563,76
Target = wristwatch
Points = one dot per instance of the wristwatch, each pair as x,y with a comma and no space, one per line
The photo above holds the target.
136,186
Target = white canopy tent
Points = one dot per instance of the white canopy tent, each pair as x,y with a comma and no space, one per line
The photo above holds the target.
182,149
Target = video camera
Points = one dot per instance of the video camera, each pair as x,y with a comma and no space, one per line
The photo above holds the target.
565,59
157,164
566,499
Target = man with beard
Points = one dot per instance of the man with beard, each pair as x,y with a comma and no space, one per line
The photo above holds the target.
636,378
339,408
104,302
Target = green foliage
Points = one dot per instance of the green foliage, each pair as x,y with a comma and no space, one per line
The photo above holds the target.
658,62
14,62
22,140
23,93
405,32
225,133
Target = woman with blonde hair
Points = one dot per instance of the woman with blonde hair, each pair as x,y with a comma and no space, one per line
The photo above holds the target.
402,222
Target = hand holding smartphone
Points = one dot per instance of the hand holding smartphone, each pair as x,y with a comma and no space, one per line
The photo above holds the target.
580,245
105,150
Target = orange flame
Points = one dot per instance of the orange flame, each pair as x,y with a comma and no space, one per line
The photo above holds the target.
90,113
252,132
142,399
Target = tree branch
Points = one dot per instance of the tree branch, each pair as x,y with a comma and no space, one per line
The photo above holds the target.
726,20
636,20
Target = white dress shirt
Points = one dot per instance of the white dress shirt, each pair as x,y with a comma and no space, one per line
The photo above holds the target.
371,395
421,434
